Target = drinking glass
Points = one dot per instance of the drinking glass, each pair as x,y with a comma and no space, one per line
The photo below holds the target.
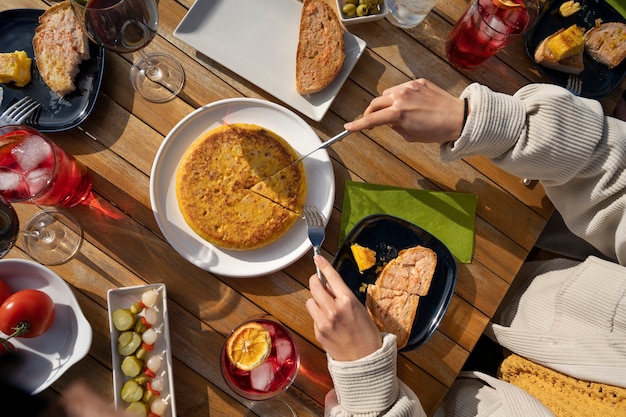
50,236
486,27
271,377
33,169
408,13
128,26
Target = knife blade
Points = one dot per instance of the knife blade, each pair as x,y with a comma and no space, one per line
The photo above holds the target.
324,145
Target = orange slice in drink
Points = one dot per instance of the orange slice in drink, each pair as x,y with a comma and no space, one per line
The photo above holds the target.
508,4
249,346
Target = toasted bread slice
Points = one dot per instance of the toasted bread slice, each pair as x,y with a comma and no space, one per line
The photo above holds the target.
60,46
411,271
567,53
606,43
320,54
393,311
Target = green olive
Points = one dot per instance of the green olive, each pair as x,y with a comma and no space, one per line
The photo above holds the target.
362,10
349,10
355,2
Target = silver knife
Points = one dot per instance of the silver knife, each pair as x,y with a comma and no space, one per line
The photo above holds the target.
324,145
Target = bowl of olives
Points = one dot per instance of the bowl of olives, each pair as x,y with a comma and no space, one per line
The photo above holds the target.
361,11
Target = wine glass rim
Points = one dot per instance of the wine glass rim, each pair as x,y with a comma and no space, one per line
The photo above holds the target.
85,7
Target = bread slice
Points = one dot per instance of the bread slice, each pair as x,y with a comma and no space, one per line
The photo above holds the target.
606,43
60,46
320,54
15,67
411,271
562,51
393,311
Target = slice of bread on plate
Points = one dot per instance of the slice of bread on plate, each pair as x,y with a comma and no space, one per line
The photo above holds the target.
393,311
606,43
393,299
563,50
60,46
320,54
411,271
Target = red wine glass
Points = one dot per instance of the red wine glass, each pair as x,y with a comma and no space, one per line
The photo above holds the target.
127,26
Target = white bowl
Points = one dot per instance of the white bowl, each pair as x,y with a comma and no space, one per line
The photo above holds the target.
347,21
45,358
124,298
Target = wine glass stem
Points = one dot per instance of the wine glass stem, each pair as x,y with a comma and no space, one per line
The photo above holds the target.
45,235
152,71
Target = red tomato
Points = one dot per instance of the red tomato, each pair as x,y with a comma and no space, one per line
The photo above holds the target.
6,347
5,291
27,313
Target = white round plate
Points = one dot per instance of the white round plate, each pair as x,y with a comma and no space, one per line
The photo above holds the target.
271,258
45,358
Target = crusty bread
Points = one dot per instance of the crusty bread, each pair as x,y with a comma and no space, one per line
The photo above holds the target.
320,53
606,43
411,271
393,299
393,311
60,46
571,61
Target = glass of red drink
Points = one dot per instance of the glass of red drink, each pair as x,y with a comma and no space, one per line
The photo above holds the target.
486,27
34,169
259,361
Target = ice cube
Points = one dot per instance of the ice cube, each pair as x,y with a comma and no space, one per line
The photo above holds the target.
37,179
283,350
31,152
261,377
9,181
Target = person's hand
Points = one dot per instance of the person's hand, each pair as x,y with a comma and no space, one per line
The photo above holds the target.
342,324
418,110
79,400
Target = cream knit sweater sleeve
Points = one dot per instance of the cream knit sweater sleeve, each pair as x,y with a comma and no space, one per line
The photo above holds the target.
369,387
543,132
569,317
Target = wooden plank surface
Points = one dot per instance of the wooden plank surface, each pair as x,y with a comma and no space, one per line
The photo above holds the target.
124,246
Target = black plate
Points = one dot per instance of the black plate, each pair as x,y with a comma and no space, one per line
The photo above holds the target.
598,80
388,235
16,33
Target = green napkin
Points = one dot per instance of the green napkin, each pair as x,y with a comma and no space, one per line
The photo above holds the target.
447,216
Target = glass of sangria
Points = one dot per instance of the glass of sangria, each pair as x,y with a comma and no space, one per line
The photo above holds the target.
259,361
125,26
486,27
33,169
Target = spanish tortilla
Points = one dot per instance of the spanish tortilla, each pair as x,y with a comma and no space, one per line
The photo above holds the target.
224,192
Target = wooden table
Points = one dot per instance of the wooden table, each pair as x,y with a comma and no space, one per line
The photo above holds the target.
123,245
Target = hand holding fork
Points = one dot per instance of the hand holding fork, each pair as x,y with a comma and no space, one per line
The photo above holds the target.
315,224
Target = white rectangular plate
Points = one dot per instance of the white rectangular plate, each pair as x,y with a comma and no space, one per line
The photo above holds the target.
124,298
258,40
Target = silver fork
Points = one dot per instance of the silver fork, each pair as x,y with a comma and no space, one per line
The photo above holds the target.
16,113
574,84
315,225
